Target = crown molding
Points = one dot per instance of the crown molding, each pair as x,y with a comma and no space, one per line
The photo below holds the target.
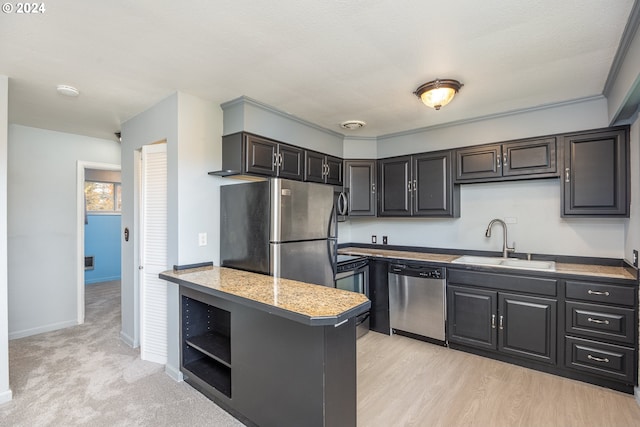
623,48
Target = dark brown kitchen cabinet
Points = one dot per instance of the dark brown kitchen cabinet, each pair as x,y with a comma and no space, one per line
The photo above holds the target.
522,159
322,168
360,185
245,153
596,174
519,325
418,185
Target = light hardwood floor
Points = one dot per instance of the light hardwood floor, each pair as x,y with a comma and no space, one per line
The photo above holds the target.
406,382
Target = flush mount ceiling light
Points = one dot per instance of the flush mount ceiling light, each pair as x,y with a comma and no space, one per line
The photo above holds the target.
352,124
438,93
67,90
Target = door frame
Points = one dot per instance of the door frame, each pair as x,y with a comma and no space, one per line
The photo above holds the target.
81,166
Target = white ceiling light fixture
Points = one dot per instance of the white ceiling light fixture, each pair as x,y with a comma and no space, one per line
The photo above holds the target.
67,90
438,93
352,124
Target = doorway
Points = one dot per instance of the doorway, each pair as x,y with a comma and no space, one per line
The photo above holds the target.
82,168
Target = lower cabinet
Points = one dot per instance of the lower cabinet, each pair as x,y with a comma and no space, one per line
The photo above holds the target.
581,329
520,325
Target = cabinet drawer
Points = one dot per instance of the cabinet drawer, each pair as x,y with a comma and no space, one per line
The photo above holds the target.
600,292
600,321
606,360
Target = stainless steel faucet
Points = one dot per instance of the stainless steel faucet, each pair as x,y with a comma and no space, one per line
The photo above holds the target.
505,248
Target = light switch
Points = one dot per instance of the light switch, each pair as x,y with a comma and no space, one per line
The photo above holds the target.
202,239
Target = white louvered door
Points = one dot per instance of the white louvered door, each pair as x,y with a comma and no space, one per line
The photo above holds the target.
153,254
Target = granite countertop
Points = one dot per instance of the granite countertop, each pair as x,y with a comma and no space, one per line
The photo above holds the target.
314,305
604,271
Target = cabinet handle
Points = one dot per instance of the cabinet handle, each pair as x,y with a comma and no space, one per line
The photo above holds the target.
567,174
504,159
498,162
592,320
279,159
493,321
605,293
501,322
409,185
275,160
415,185
598,359
373,188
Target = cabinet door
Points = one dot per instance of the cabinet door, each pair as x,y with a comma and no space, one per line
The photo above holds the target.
395,186
528,327
291,163
433,185
535,157
314,166
260,155
478,163
596,174
334,171
360,183
471,317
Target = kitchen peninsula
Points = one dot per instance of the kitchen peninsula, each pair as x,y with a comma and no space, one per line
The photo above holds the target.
271,351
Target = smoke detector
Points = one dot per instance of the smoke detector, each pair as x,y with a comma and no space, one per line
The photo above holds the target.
352,124
67,90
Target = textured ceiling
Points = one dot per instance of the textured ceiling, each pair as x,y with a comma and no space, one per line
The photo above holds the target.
324,61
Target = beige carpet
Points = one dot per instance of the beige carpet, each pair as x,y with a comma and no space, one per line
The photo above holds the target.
85,375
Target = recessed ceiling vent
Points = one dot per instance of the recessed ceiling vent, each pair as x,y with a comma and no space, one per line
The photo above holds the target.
352,124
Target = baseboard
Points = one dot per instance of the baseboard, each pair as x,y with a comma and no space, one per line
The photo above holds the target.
6,397
174,373
128,340
636,394
41,329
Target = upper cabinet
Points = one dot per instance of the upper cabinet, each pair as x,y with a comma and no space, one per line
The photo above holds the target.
244,153
360,187
524,159
418,185
322,168
596,173
271,158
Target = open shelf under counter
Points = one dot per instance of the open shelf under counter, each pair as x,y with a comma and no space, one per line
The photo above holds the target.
213,373
214,345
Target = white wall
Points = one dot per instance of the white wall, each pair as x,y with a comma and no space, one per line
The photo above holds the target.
534,203
192,129
5,391
42,225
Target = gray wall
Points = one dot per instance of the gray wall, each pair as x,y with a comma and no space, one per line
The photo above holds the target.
535,203
5,391
192,129
42,225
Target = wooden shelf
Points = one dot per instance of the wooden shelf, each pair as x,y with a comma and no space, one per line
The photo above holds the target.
214,345
213,373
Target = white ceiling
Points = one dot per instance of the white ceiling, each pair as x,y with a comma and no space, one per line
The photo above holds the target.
324,61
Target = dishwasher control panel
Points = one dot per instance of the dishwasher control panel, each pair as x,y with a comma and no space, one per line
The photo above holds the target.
417,271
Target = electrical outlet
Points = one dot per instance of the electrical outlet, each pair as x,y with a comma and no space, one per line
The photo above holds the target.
202,239
384,240
374,239
635,258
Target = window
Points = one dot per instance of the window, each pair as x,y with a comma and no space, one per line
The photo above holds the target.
103,196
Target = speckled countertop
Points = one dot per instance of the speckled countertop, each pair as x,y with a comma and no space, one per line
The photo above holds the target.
302,302
562,268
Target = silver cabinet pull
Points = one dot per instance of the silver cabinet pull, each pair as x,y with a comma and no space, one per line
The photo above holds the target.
275,160
493,321
409,185
501,322
598,359
373,188
498,162
415,185
567,174
279,159
504,159
592,320
605,293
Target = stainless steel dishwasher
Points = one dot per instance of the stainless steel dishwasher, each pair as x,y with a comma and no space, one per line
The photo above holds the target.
417,301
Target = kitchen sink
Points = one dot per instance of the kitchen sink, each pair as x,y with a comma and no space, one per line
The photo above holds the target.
506,262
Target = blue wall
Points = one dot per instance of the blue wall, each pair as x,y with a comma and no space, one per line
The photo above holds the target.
102,240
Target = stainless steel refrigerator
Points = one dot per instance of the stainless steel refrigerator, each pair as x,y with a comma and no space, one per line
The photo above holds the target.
279,227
